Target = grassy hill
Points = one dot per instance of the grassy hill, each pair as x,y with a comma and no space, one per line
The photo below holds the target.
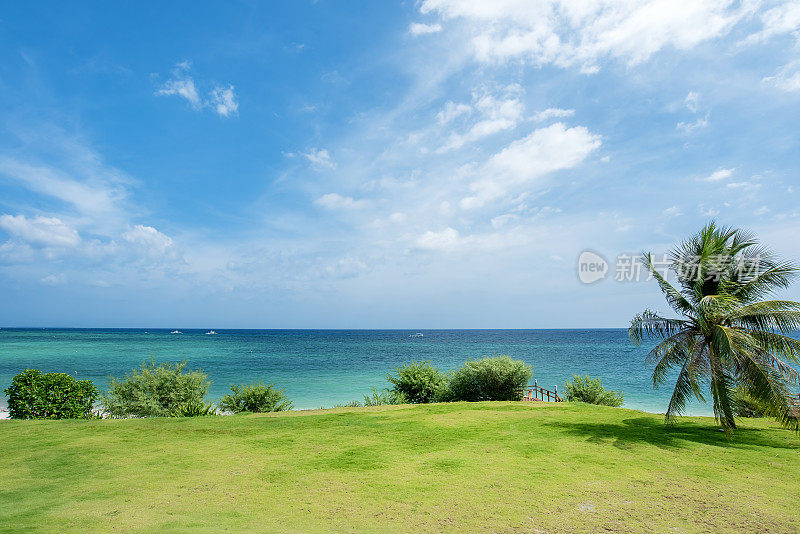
497,467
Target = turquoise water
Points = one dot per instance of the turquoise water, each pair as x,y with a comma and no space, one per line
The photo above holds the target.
320,368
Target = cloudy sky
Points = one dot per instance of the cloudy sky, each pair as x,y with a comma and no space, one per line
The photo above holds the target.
374,164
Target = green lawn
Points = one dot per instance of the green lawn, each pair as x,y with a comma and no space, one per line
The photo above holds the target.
494,467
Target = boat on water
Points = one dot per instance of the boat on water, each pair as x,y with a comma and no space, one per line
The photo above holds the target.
176,332
418,334
210,333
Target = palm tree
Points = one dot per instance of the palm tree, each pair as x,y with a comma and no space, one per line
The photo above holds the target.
727,336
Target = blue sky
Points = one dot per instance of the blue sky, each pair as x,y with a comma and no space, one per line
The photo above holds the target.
381,165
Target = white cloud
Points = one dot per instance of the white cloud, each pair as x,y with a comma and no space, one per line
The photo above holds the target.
502,220
224,100
150,239
567,33
718,175
446,239
347,267
691,101
320,158
88,229
496,115
452,111
95,190
551,113
708,212
44,231
787,78
335,201
545,150
781,19
54,279
689,127
93,227
417,28
745,186
477,131
413,195
16,252
183,87
333,77
763,210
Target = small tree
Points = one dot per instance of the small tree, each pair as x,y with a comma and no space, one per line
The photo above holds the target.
489,379
36,395
194,409
591,390
383,397
256,398
155,390
417,382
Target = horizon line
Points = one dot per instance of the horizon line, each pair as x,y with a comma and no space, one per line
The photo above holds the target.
295,328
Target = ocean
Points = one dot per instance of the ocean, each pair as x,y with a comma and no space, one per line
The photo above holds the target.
322,368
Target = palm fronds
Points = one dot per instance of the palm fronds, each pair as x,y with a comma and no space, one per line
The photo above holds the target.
726,336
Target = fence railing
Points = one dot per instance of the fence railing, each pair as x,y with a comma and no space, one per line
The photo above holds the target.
538,393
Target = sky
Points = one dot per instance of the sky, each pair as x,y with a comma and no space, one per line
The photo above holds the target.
430,164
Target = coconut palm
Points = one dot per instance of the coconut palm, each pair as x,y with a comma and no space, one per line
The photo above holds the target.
727,335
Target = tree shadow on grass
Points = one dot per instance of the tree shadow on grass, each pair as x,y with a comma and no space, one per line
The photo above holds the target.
649,431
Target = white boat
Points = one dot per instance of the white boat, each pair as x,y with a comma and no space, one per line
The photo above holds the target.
176,332
210,333
418,334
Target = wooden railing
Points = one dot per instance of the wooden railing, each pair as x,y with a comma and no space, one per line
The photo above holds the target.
538,393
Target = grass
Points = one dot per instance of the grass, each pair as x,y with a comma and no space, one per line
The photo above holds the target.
495,467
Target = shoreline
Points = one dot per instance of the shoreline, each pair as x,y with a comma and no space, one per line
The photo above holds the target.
323,368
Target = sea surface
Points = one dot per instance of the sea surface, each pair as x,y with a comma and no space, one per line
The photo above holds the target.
322,368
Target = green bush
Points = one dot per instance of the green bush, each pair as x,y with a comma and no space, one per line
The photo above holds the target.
383,397
155,390
591,390
488,379
194,409
351,404
255,398
418,382
36,395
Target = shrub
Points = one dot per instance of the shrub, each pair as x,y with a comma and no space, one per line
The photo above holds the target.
36,395
194,409
488,379
255,398
383,397
591,390
418,382
351,404
155,390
